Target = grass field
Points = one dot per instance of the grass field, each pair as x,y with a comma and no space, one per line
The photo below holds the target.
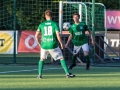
24,78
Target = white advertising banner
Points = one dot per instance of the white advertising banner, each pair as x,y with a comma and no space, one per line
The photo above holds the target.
113,39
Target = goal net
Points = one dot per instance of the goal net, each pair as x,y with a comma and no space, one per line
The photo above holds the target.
85,11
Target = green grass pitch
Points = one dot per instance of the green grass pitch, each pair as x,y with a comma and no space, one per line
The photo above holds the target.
25,78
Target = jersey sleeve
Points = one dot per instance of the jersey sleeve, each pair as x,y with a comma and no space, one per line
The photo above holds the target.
70,30
39,28
56,27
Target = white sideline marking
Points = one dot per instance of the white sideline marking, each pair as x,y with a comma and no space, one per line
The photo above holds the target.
26,70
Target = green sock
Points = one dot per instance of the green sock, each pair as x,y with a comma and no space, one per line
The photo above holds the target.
74,59
87,59
63,63
40,67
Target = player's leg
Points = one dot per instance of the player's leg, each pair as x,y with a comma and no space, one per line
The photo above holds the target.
64,65
43,55
40,67
85,48
87,61
74,57
57,55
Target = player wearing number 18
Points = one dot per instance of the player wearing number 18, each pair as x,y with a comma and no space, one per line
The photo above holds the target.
50,36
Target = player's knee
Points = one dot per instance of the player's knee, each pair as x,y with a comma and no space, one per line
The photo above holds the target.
42,59
61,58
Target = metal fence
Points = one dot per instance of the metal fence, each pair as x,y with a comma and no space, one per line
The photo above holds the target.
27,15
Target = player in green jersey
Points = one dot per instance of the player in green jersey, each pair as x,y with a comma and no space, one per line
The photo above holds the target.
50,36
77,33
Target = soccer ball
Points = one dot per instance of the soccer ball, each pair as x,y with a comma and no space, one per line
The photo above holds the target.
66,25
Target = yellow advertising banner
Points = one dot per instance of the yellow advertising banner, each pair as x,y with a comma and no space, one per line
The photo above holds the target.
7,42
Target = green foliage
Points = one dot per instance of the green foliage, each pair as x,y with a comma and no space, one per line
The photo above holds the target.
28,17
110,4
30,13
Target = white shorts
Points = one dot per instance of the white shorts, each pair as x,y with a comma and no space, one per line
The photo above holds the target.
55,53
76,49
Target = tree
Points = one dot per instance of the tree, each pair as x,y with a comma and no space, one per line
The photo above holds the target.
110,4
29,13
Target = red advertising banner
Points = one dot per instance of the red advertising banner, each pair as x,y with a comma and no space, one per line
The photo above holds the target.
28,42
113,19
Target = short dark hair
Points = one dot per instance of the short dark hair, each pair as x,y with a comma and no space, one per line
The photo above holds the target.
48,13
76,14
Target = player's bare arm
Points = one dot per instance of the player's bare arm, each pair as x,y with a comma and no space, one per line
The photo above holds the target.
69,38
91,36
59,39
37,38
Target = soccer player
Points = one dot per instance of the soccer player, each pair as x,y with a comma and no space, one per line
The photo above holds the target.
50,36
77,33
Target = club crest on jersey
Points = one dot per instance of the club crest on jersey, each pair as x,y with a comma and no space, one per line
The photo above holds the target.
81,27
